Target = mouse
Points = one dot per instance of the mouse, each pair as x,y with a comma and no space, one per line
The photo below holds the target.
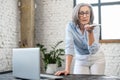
62,74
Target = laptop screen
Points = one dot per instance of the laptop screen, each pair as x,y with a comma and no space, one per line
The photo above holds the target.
26,63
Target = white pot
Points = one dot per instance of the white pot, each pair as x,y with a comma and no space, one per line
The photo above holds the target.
51,68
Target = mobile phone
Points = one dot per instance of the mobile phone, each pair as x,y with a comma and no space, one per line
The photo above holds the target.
94,25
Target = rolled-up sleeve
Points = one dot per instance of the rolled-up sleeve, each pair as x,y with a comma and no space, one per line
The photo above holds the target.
69,44
95,45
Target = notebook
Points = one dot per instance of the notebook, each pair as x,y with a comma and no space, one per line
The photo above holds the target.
26,64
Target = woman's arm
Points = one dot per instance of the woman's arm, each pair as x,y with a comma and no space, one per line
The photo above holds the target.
67,66
90,38
68,63
93,38
69,51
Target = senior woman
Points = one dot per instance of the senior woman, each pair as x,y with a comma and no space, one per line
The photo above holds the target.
82,42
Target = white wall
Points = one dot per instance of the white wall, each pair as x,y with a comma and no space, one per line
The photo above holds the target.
112,54
8,32
51,19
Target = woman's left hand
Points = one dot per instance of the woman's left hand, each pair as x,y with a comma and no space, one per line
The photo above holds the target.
88,28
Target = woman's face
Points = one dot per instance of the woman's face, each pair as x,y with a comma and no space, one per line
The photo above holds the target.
84,15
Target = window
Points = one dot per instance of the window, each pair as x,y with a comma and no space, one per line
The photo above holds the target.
107,14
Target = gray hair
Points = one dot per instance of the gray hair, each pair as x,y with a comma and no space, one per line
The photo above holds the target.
75,17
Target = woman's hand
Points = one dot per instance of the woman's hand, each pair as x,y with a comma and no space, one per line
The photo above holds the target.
64,72
88,28
67,66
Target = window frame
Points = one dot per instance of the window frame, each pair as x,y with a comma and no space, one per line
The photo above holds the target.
99,4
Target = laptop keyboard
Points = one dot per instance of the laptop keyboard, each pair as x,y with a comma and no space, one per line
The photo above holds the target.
50,76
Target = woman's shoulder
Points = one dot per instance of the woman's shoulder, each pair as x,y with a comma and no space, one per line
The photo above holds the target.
71,25
97,28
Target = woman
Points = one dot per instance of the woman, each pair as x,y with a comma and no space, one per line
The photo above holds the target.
83,40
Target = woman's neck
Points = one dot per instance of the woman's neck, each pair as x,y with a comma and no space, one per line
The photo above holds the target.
82,28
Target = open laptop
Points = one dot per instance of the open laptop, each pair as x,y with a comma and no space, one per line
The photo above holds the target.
26,64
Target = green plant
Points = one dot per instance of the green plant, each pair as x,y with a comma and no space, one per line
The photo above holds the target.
53,56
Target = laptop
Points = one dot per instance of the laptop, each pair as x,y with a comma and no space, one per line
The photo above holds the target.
26,64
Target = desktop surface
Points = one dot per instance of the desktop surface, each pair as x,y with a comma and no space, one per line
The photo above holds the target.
9,76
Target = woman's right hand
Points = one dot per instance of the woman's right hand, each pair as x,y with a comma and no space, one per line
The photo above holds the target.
64,72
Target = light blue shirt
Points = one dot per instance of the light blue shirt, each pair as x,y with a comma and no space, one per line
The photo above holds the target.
77,43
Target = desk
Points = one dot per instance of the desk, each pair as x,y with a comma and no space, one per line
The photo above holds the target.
8,76
90,77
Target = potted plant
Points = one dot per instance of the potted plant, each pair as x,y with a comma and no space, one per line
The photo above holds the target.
53,56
